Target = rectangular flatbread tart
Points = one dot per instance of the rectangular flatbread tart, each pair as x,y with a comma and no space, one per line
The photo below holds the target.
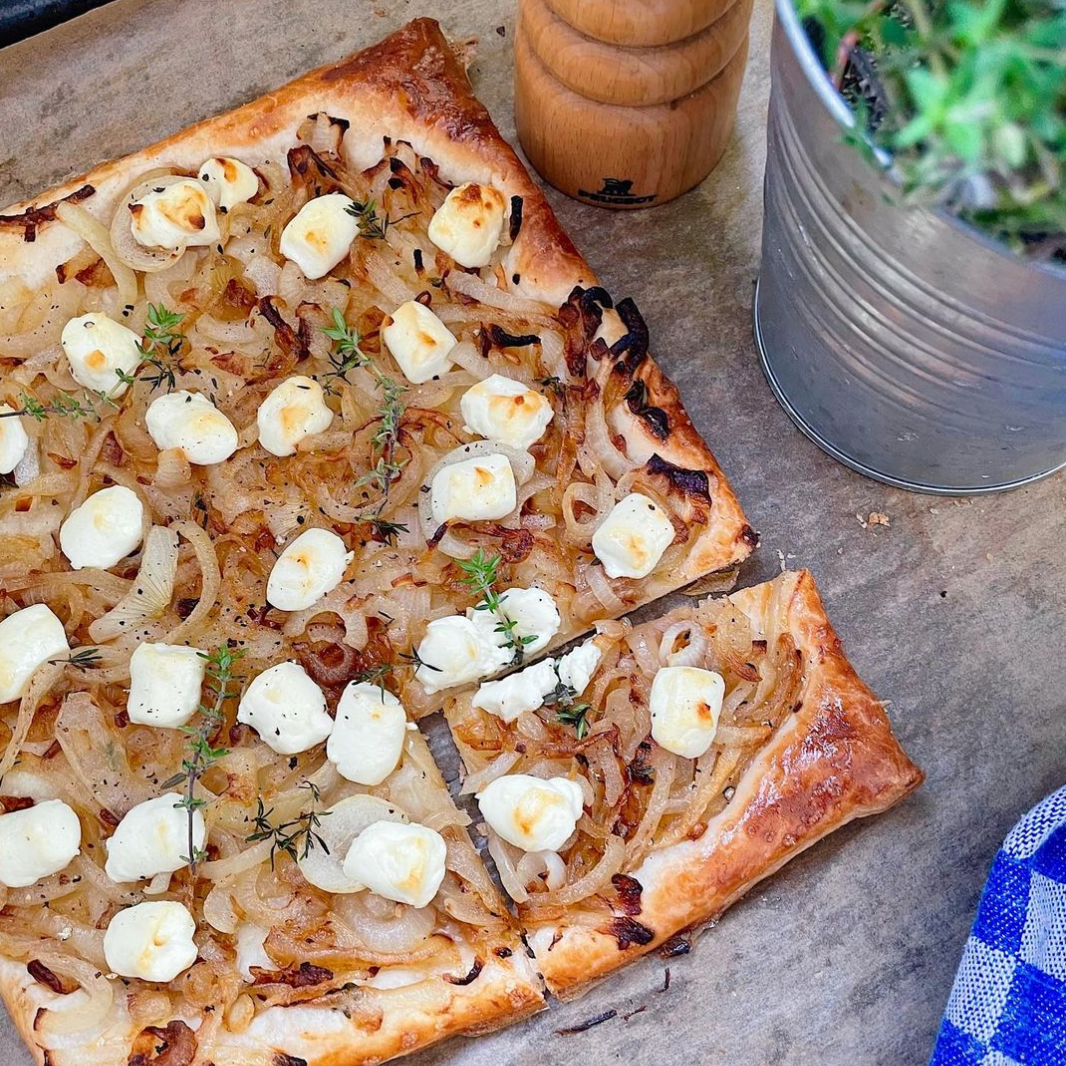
314,422
636,786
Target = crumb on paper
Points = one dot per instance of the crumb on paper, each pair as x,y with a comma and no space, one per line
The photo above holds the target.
990,557
466,51
874,518
582,1027
781,560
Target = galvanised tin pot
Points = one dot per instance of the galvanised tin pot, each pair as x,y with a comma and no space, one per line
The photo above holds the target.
908,345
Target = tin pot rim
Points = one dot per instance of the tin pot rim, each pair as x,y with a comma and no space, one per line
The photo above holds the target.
838,108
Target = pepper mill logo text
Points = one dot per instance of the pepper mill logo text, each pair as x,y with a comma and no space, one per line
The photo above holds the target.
616,191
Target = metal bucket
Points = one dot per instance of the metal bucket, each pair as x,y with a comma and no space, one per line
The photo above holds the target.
906,344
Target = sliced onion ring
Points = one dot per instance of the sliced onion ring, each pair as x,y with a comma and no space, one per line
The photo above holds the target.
694,651
534,863
96,236
151,592
397,930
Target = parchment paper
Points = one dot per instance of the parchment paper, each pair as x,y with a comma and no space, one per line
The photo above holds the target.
953,612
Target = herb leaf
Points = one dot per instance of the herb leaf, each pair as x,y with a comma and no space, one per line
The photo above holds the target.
345,357
967,98
82,659
371,225
62,405
159,349
296,838
200,754
563,698
482,573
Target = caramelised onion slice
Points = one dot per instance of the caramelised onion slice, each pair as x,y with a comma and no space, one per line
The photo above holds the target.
96,236
73,1014
385,927
683,644
151,592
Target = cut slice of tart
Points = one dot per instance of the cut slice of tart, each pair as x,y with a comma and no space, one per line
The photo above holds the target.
638,785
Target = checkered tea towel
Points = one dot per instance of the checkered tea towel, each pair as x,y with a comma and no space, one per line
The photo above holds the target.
1008,1004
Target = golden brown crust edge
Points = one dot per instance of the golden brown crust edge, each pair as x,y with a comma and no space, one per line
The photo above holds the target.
314,1035
834,761
319,1038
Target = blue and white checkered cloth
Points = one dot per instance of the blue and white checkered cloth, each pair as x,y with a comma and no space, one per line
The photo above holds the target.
1008,1003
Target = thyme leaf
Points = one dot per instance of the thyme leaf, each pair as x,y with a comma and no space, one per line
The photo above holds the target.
372,225
297,837
482,573
82,659
200,753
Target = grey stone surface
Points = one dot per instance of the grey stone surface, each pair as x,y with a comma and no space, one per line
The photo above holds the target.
953,612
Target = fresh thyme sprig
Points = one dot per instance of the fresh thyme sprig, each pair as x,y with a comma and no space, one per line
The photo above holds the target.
384,530
414,659
159,348
200,754
162,330
482,573
82,659
567,710
296,838
347,356
63,405
376,675
371,225
381,475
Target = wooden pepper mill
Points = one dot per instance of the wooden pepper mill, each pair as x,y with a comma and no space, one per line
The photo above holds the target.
628,103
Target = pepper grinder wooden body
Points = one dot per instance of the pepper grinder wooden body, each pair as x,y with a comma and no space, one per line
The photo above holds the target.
628,103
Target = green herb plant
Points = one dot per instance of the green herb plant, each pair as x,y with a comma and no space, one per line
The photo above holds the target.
968,97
